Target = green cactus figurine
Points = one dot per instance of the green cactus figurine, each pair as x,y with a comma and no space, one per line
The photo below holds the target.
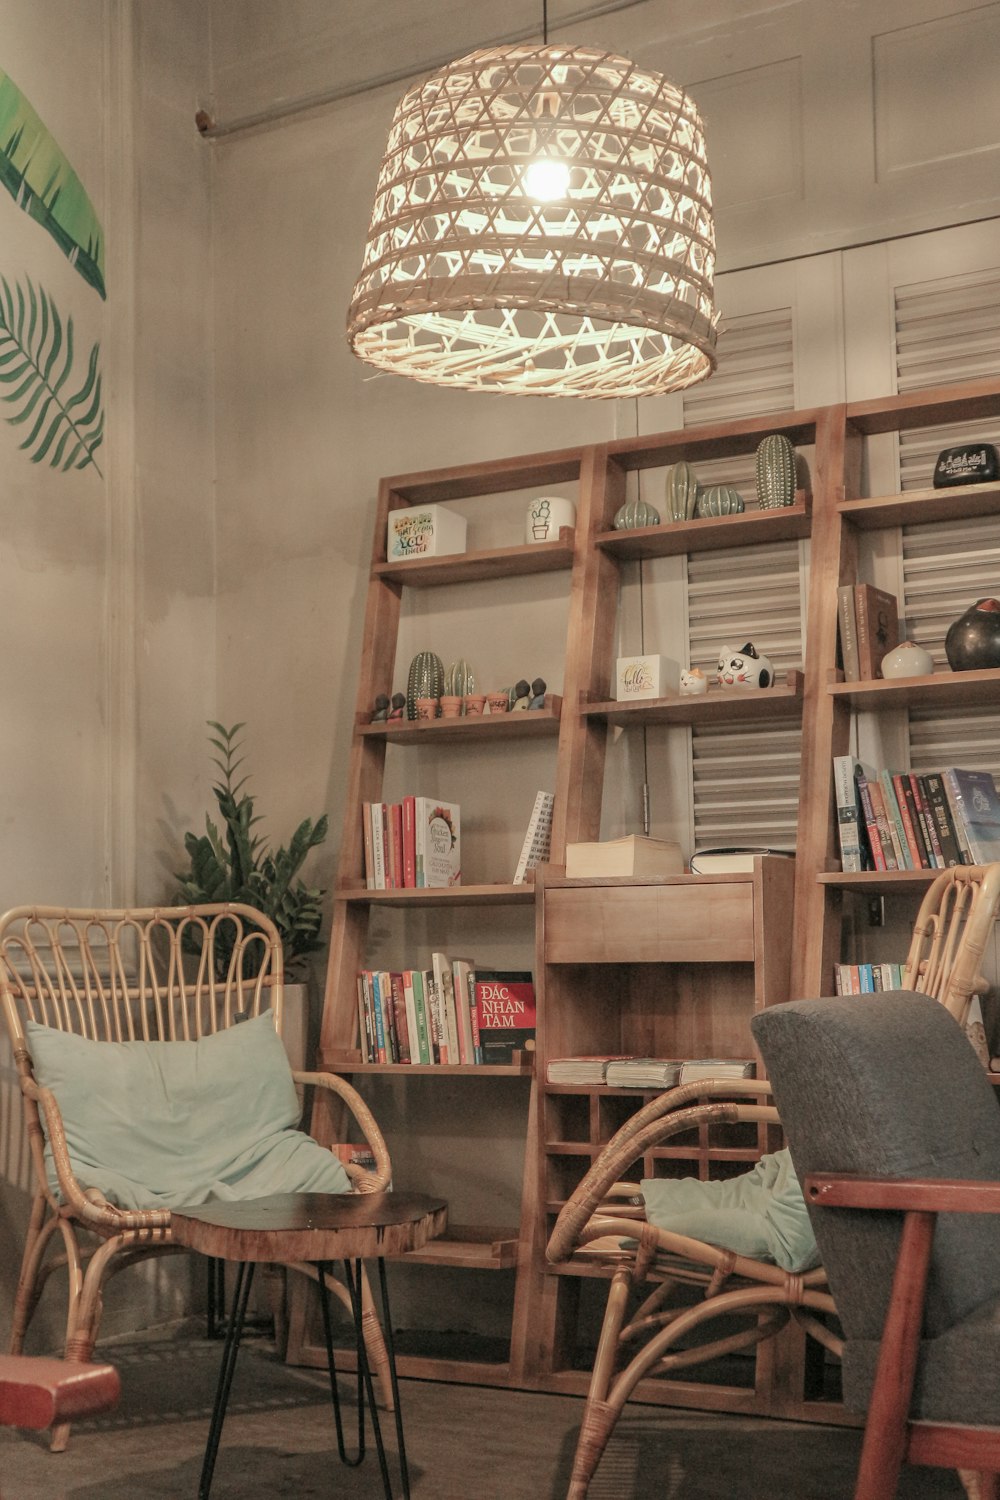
682,491
719,500
426,680
635,513
775,472
459,680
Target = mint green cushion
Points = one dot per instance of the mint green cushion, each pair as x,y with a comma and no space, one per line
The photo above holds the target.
161,1124
760,1214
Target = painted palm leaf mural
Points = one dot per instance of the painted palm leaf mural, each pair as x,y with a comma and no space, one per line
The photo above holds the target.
62,419
38,176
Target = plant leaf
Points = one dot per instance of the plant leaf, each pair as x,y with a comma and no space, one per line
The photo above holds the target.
37,174
57,423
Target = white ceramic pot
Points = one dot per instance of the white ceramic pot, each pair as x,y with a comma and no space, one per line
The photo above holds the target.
907,660
546,516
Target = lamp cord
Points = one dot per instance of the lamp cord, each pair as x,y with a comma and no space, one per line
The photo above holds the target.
545,23
642,651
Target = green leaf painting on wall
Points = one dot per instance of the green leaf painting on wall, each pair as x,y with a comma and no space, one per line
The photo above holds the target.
38,176
62,426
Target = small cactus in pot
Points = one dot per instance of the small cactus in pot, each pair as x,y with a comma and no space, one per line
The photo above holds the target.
682,491
426,680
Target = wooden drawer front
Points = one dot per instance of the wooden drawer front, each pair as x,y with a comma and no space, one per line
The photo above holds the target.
650,924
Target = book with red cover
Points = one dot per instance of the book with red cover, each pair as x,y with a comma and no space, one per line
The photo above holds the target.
505,1010
911,823
865,785
877,620
403,1054
882,821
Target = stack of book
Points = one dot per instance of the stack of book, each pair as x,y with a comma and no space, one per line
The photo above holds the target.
867,979
448,1014
717,1067
868,620
643,1073
899,820
411,844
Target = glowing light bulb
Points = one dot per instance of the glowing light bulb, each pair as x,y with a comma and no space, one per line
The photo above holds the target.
546,180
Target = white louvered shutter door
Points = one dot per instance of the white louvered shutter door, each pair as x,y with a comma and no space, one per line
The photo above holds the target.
745,779
947,330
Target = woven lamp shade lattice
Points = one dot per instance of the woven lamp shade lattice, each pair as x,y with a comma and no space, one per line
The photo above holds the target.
542,225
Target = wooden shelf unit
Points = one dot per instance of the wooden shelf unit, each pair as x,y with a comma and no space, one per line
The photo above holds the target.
642,972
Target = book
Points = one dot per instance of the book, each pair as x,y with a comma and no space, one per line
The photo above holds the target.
974,796
447,1020
424,984
409,844
537,837
849,818
364,1035
731,861
848,631
396,844
634,855
416,1020
863,778
876,616
378,846
882,822
697,1068
400,1018
940,811
642,1072
437,842
957,821
581,1070
463,975
505,1010
369,848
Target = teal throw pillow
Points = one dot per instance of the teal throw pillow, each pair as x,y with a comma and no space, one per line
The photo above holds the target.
163,1124
761,1213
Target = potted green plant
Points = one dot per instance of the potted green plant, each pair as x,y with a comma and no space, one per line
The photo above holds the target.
235,864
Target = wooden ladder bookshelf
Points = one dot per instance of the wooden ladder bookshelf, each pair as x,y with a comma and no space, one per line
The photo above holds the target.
800,953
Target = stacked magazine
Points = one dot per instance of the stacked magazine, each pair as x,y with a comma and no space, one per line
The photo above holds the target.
643,1073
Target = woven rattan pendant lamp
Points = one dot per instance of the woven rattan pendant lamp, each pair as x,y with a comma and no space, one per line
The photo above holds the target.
542,225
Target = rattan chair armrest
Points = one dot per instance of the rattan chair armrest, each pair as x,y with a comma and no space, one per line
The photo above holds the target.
363,1180
621,1153
685,1094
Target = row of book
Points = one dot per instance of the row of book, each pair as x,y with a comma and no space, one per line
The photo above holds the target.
412,844
868,622
451,1013
646,1072
899,820
867,979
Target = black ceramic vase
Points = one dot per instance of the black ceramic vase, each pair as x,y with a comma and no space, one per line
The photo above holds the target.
973,641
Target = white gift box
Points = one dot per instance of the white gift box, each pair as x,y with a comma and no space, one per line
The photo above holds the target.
646,677
424,531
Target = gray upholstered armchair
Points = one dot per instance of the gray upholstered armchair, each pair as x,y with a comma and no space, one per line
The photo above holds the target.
886,1088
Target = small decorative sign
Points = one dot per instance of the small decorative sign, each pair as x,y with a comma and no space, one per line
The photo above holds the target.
646,677
424,531
969,463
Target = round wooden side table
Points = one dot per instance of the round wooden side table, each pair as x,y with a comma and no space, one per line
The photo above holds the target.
315,1229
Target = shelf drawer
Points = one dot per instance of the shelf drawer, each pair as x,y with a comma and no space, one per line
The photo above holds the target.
650,924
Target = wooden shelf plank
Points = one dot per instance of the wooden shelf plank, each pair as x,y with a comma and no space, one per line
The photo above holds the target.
349,1062
530,724
459,1249
879,882
727,439
478,567
937,690
445,896
914,507
718,706
711,533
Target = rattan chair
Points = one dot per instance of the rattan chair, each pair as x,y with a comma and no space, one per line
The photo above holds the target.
137,975
604,1221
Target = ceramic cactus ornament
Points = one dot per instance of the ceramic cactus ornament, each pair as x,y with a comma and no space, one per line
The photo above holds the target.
425,680
775,472
719,500
459,680
682,491
635,513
